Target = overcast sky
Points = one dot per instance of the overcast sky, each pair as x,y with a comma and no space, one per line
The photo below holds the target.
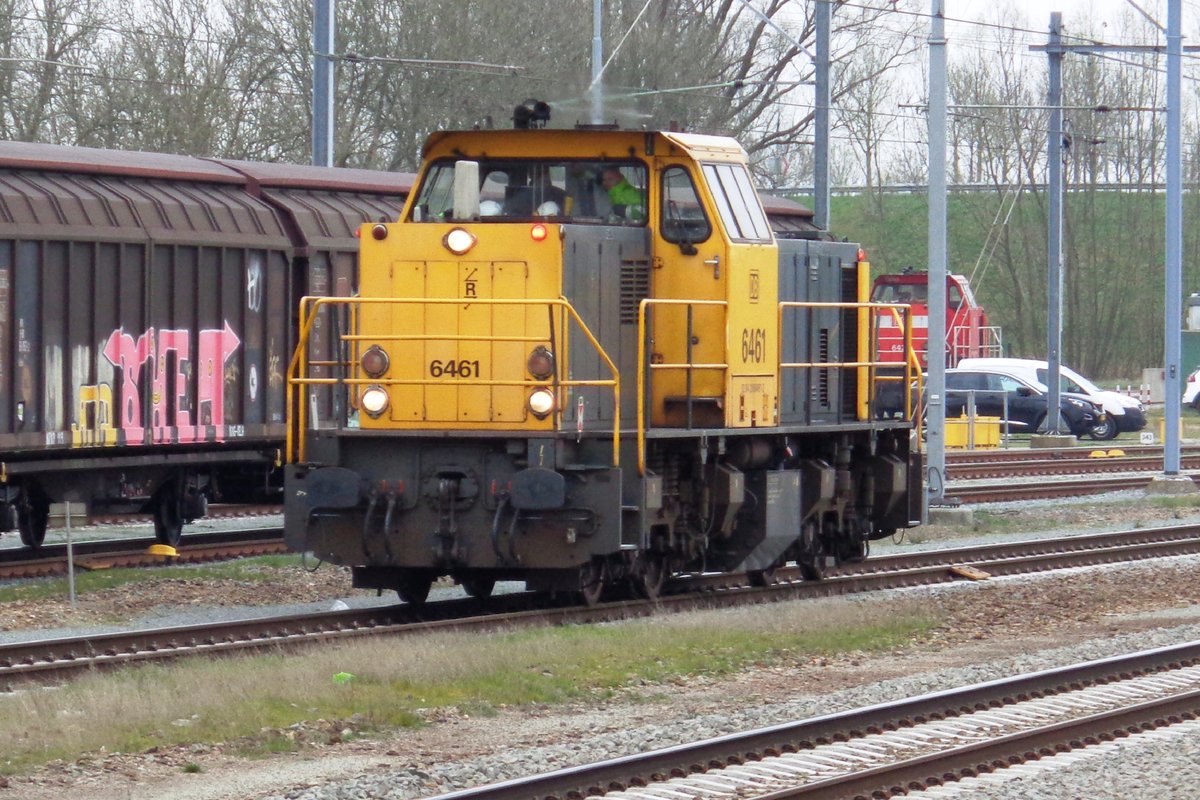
1037,12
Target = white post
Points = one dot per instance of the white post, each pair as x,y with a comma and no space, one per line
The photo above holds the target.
70,556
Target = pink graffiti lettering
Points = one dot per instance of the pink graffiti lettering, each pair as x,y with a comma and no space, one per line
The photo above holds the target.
128,356
172,417
215,349
170,344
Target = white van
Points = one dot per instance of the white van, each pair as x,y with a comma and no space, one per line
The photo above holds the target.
1191,390
1121,412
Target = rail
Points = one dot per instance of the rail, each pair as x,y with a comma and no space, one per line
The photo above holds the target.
310,308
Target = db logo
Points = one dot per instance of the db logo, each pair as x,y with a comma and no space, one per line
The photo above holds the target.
753,286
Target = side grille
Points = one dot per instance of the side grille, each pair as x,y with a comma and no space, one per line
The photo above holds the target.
635,287
823,374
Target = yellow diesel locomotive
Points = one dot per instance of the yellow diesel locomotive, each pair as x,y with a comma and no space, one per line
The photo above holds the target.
581,359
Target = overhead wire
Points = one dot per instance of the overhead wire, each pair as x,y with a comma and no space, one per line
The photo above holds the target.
981,41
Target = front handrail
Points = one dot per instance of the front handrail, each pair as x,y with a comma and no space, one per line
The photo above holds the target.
298,377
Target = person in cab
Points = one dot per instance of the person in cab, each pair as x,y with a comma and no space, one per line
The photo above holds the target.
628,201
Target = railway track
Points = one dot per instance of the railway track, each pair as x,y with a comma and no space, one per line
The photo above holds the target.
1079,453
1069,461
1011,490
51,560
214,511
1136,468
892,749
51,660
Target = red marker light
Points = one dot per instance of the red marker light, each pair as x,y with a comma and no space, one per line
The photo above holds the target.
379,231
538,232
862,254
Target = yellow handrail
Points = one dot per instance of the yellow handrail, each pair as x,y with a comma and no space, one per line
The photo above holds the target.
311,306
641,366
911,363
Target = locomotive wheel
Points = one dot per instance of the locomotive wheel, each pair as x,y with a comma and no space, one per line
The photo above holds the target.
810,568
852,552
591,582
168,518
479,588
761,577
33,516
413,586
810,561
649,577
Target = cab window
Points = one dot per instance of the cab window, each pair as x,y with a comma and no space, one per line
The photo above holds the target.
737,203
683,217
899,293
528,189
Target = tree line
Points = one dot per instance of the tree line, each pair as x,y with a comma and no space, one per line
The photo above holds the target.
1114,167
233,79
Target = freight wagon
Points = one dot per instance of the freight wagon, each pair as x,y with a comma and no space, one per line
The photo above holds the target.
147,310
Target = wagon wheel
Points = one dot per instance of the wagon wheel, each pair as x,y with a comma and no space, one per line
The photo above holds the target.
413,586
168,515
649,576
33,516
591,582
478,587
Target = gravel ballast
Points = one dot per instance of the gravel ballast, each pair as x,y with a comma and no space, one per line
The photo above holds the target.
1000,628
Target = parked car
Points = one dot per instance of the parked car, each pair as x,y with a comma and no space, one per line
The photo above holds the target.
1191,390
1019,402
1122,414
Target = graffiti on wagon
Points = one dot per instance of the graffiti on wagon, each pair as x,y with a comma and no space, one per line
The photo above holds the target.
165,392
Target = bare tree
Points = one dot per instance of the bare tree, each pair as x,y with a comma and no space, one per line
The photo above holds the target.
46,44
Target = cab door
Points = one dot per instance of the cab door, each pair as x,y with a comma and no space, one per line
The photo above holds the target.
751,270
689,264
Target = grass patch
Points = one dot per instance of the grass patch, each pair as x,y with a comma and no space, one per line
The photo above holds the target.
984,523
258,569
1189,424
278,703
1179,501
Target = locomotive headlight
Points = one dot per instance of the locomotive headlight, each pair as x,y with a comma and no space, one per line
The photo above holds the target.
459,241
541,363
541,403
375,361
374,400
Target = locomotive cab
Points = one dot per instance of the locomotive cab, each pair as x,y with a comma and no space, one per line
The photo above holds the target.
570,364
